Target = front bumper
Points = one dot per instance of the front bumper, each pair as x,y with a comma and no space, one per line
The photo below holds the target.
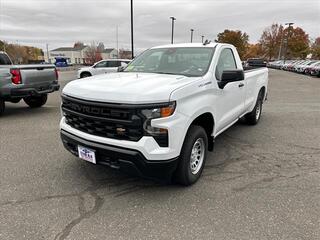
127,160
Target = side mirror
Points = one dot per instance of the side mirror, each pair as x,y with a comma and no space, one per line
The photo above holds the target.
230,76
121,68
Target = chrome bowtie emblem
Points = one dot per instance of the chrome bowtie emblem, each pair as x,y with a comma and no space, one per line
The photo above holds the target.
120,131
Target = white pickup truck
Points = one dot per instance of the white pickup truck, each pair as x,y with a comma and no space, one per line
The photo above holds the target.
102,67
160,116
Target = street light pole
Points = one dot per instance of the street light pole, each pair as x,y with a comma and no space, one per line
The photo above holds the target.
202,38
191,34
288,35
281,43
172,28
132,53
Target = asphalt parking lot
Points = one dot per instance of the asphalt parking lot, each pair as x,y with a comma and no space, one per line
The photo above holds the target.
261,182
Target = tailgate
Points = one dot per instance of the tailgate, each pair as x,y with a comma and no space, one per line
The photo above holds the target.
37,74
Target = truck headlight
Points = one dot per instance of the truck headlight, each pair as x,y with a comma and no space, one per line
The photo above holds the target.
159,112
159,134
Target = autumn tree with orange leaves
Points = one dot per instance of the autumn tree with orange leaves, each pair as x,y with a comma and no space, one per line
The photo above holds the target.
271,39
277,41
237,38
254,51
298,43
315,48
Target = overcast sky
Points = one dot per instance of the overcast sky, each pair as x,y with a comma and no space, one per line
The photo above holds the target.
62,22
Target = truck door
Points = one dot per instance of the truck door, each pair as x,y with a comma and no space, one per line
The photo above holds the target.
232,96
100,67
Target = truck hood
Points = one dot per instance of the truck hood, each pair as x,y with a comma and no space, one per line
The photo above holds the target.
125,87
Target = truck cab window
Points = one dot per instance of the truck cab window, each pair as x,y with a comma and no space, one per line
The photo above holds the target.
4,59
226,62
114,63
101,64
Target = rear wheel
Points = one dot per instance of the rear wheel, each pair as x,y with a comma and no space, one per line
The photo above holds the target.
253,117
2,106
85,74
36,101
193,156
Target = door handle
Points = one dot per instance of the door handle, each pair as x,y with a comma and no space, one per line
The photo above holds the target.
240,85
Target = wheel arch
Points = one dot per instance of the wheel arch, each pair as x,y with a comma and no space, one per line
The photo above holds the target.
263,90
206,120
85,72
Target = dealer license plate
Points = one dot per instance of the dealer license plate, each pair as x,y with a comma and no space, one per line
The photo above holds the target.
87,154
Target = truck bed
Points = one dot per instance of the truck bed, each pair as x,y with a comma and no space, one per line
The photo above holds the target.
34,79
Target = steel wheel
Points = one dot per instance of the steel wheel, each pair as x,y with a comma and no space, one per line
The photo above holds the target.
197,155
258,110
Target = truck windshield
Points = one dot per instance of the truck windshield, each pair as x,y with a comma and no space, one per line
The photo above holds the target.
191,61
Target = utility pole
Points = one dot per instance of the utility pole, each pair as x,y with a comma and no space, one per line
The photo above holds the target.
47,45
191,30
288,35
172,28
117,39
132,53
202,38
18,55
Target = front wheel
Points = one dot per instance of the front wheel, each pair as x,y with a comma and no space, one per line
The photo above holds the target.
193,156
36,101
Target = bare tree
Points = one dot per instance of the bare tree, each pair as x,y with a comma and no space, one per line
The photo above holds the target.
92,54
78,44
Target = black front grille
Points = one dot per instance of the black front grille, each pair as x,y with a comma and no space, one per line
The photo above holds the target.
103,119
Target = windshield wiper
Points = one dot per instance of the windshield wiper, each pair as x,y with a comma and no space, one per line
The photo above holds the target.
178,74
171,73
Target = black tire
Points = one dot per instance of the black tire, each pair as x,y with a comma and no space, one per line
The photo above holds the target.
253,117
85,74
36,101
2,106
184,174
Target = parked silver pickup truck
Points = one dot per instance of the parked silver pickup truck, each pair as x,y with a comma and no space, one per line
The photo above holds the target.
32,83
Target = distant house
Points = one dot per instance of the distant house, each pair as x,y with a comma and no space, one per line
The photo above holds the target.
73,55
77,55
125,54
109,53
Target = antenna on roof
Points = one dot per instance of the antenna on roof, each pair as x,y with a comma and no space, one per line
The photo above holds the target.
206,42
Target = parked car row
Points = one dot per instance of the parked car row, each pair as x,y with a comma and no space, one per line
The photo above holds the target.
311,67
